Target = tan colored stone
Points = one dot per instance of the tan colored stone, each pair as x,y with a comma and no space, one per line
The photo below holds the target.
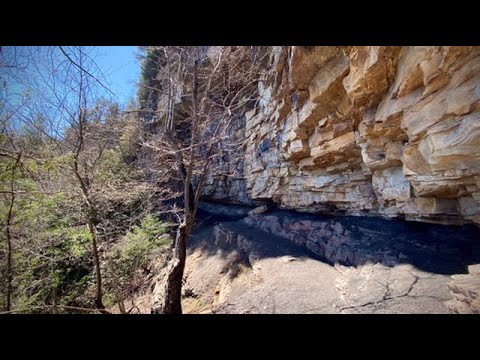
298,150
306,61
327,86
382,129
390,184
410,75
336,145
309,115
457,146
372,69
379,153
459,97
413,161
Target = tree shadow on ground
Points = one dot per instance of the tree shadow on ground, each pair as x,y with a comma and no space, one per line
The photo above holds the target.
432,248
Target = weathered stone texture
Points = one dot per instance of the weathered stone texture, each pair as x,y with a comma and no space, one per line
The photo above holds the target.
389,131
466,292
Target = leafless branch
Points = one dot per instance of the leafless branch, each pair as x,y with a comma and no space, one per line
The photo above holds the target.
85,71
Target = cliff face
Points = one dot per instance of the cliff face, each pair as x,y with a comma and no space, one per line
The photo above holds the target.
387,131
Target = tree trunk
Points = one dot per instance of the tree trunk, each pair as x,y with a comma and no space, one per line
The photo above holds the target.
9,267
172,300
191,197
9,238
55,300
96,258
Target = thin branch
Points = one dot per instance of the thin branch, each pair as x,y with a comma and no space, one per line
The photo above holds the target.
58,306
12,192
85,71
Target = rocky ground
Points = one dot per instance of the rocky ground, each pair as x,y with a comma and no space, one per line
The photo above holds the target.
466,292
233,267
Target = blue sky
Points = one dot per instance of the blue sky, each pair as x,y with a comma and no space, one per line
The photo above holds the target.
121,68
118,65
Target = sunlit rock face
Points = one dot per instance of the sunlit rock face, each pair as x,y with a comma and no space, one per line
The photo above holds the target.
377,130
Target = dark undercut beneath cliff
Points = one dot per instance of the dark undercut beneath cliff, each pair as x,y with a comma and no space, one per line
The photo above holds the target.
268,260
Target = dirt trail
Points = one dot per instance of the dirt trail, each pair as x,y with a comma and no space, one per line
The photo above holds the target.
235,268
328,265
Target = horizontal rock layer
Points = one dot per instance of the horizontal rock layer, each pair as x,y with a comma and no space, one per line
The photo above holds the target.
387,131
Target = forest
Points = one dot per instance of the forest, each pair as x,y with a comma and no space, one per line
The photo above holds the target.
93,193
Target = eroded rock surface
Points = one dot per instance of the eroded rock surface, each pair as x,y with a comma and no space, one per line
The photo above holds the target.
466,292
388,131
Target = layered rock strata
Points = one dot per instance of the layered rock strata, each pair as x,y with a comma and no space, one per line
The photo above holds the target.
378,130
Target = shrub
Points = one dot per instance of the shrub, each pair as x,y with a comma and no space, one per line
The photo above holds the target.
137,248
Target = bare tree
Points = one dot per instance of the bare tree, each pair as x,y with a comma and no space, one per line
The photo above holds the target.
65,95
200,91
10,157
84,187
8,234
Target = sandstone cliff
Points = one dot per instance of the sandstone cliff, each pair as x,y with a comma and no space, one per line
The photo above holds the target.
378,130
